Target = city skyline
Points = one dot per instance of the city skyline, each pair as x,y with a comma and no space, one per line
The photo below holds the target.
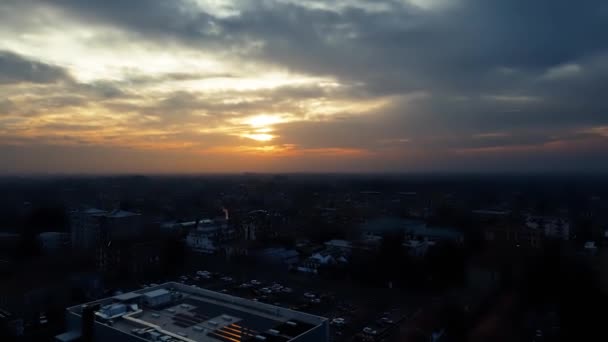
193,86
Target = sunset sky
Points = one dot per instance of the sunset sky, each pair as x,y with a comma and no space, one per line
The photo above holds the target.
188,86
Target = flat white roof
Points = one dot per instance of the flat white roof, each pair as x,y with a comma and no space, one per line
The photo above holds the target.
156,293
127,296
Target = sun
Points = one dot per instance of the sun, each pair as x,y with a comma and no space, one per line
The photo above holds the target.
260,126
259,136
263,121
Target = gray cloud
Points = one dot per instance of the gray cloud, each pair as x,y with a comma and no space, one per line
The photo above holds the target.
16,69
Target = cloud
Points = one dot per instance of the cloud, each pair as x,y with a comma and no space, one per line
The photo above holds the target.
405,83
562,72
15,69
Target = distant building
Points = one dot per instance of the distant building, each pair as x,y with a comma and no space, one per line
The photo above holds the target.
174,312
413,229
53,242
553,227
255,225
206,236
314,263
341,245
423,232
509,234
279,256
92,227
263,225
85,228
324,259
417,248
132,258
201,242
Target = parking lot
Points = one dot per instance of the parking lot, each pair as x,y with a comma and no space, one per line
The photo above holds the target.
354,314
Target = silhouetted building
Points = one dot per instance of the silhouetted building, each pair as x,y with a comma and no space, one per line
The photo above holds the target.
132,258
93,227
54,242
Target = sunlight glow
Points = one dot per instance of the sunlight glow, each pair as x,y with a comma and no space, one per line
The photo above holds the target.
259,136
264,120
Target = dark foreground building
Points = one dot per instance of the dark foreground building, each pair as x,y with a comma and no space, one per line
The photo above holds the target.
174,312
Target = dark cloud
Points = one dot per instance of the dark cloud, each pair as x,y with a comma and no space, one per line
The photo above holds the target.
513,76
454,50
17,69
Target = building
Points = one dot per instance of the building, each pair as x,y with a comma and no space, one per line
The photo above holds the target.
514,234
278,256
206,236
417,248
341,245
263,225
413,229
53,242
255,224
132,258
85,228
174,312
92,227
423,232
553,227
121,224
326,259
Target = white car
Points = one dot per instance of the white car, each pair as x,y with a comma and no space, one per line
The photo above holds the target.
370,331
255,282
309,295
387,320
338,321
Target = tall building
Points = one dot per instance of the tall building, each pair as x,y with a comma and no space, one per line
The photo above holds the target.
85,228
92,227
53,242
132,259
175,312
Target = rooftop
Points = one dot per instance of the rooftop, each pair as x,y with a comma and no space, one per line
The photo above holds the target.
52,234
94,211
491,212
156,293
339,243
177,312
415,227
121,214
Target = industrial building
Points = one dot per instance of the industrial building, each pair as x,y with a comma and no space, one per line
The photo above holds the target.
174,312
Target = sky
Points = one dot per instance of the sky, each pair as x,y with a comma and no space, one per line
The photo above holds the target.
195,86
